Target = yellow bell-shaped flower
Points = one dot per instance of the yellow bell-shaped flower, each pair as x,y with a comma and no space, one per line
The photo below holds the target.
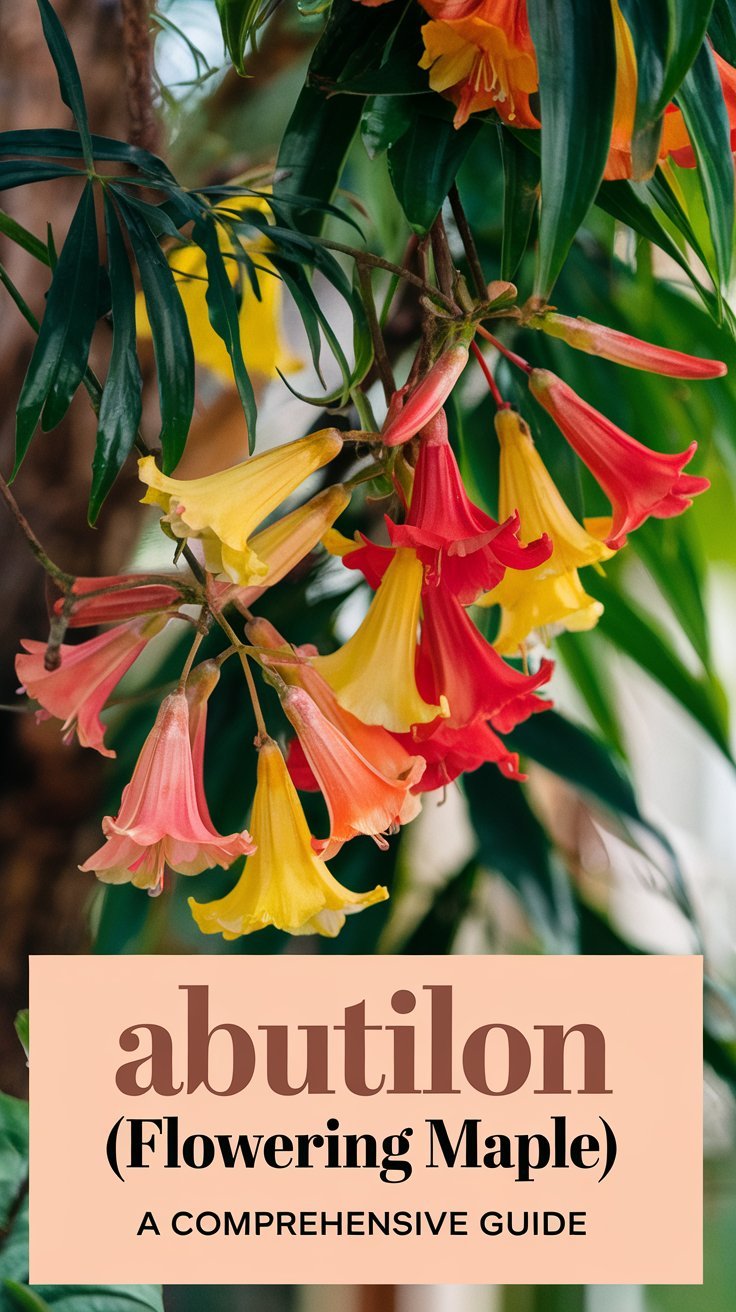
373,673
264,350
551,595
283,883
223,509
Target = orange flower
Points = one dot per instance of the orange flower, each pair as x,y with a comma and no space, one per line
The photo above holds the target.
483,59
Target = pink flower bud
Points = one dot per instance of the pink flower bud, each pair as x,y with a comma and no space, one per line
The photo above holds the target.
427,398
622,348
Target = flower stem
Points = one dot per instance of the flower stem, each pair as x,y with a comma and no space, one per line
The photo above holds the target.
383,364
495,393
468,241
64,580
510,355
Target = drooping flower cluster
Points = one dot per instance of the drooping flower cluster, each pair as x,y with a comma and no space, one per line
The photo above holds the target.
417,695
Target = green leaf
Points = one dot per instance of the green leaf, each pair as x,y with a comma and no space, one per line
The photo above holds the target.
95,1298
667,35
16,173
13,1154
722,29
512,842
67,144
70,83
631,203
24,1299
576,755
438,929
222,306
634,634
23,1029
384,120
521,183
14,1249
576,56
701,100
10,228
172,342
60,355
423,164
578,654
120,408
667,552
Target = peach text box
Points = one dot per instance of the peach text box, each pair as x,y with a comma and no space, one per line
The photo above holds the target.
642,1223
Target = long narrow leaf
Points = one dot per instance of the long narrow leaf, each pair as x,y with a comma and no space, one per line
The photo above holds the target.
70,84
172,342
60,355
120,409
576,55
701,100
222,307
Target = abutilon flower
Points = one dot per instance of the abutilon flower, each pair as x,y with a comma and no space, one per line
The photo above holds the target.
483,59
373,673
371,741
76,691
622,348
462,548
450,752
552,594
359,799
122,604
160,822
410,411
285,883
637,481
224,509
456,664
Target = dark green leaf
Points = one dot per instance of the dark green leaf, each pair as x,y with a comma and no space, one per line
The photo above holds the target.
573,753
635,635
632,204
64,143
222,306
521,181
437,930
723,29
13,1154
16,173
513,843
423,164
60,355
23,1029
667,35
701,100
384,120
23,238
98,1298
14,1248
668,554
576,56
120,408
70,83
578,653
172,343
22,1298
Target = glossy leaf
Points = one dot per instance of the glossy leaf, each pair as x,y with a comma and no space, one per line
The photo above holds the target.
521,182
438,928
172,343
578,654
120,409
722,29
60,355
222,306
667,35
513,843
635,635
577,77
17,173
70,84
701,100
64,143
423,165
15,232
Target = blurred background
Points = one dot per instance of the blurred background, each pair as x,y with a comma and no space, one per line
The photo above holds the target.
624,838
